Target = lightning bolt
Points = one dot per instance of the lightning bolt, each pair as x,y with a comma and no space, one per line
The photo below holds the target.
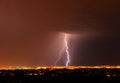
65,50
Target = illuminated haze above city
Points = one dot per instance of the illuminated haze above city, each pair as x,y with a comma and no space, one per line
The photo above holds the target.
42,33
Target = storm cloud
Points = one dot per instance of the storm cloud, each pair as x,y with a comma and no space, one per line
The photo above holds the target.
27,26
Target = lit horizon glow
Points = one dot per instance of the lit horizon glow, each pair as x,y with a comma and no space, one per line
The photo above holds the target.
61,67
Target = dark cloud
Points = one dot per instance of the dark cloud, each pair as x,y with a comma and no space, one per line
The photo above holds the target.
99,50
93,16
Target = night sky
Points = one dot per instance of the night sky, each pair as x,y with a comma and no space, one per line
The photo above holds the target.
31,32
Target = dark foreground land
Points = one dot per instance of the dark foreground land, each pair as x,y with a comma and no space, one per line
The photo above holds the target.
82,75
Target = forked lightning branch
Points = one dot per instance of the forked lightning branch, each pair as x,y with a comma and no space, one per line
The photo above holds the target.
65,51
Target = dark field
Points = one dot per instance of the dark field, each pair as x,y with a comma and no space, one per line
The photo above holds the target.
96,75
